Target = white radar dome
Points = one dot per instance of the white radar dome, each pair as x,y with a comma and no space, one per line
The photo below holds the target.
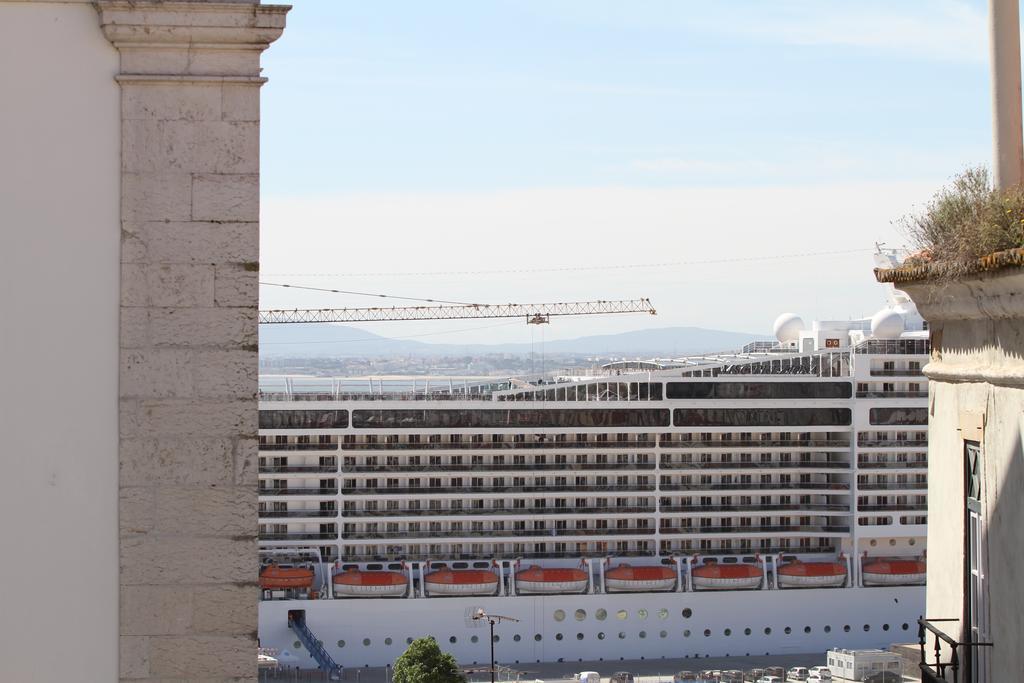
887,324
787,327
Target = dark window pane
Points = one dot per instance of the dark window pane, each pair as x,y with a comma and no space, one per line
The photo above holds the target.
760,417
899,416
303,419
761,390
473,419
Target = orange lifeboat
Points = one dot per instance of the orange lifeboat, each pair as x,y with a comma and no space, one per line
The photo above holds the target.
377,584
797,574
629,579
462,582
894,572
715,576
285,577
538,580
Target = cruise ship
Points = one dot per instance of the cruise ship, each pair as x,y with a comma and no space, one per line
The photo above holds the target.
768,500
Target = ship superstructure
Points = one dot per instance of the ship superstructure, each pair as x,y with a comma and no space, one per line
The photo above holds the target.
767,500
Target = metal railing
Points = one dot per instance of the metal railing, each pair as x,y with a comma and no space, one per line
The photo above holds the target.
892,394
298,491
298,446
887,464
936,671
485,467
298,513
905,372
753,509
892,485
892,443
792,464
299,536
495,445
756,528
566,488
534,535
576,554
776,443
298,469
829,487
297,623
567,510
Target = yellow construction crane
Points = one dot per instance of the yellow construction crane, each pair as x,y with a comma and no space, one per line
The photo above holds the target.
534,314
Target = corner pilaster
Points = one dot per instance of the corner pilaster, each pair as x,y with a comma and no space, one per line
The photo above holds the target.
190,79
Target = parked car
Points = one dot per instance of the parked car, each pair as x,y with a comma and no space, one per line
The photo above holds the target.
684,677
883,677
621,677
753,675
588,677
797,673
822,671
770,679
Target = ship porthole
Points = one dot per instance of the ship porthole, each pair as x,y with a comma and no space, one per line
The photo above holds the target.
558,636
768,630
297,645
728,631
622,635
707,633
388,641
687,613
663,613
867,627
559,615
366,642
601,614
643,634
885,627
408,641
600,635
537,636
807,629
580,614
517,637
828,629
621,615
663,634
453,640
341,643
686,633
641,614
746,631
787,630
579,636
846,629
905,626
474,639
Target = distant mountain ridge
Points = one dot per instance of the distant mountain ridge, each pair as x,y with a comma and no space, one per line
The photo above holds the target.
318,341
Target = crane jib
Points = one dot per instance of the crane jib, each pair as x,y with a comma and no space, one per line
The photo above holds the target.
530,312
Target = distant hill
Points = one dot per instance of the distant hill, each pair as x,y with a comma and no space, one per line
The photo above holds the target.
340,341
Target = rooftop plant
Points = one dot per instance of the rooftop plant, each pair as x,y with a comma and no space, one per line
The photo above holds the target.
965,220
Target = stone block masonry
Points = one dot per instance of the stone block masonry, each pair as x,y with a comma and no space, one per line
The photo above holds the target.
190,79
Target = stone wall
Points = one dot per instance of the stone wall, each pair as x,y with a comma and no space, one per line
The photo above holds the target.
189,78
977,394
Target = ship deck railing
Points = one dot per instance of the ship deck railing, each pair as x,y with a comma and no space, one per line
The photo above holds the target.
894,443
495,445
298,469
755,444
297,513
892,394
298,491
470,557
530,534
910,485
890,465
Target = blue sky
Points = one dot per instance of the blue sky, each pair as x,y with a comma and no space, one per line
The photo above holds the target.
441,136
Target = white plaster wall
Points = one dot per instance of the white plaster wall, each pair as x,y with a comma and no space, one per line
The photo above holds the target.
59,279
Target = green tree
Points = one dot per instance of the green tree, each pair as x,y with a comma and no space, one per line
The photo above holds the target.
424,662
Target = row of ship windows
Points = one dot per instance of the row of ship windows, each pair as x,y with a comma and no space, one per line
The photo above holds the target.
623,635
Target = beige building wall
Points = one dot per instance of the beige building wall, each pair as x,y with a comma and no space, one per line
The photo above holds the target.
977,393
129,197
59,253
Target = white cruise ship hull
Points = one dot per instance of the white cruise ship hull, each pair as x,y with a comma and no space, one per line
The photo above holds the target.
875,617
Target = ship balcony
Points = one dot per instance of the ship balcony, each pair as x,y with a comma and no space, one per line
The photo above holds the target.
755,510
498,445
300,536
899,372
525,535
312,448
827,488
575,554
298,469
299,491
894,486
893,443
757,530
296,514
812,444
892,465
512,512
892,394
708,467
567,489
523,467
874,508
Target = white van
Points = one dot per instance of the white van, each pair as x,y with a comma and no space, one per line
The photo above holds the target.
588,677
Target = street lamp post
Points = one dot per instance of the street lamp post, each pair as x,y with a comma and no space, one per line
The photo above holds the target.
491,619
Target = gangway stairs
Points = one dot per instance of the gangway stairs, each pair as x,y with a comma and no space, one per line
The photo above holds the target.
297,623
